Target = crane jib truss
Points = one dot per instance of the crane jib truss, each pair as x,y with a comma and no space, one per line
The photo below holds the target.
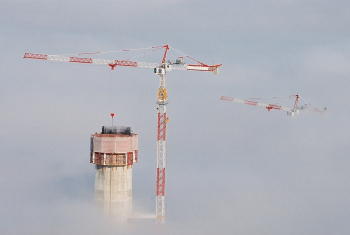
127,63
290,111
159,69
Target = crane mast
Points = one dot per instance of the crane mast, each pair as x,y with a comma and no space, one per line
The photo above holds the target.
161,140
161,147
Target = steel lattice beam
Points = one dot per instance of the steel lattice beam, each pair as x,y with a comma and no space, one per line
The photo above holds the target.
161,150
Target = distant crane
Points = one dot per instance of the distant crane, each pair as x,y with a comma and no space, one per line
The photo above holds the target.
160,69
290,111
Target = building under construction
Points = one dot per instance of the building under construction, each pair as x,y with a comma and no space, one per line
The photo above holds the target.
114,151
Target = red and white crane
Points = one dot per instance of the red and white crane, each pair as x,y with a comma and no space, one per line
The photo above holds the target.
160,69
290,111
178,64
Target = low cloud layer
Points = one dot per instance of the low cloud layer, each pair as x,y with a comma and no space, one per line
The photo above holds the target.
231,168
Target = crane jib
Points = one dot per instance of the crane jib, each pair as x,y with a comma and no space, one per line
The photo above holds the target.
125,63
200,67
85,60
274,106
35,56
251,102
226,98
80,60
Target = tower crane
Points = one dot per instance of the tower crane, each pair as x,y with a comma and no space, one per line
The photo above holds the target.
290,111
160,69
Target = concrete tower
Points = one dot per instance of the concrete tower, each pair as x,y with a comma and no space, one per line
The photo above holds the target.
114,151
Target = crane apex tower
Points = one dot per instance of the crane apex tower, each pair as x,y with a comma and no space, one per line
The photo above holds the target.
114,151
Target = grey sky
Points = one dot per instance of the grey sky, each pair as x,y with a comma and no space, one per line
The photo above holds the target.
231,168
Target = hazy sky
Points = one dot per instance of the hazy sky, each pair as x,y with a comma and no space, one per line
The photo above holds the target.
231,168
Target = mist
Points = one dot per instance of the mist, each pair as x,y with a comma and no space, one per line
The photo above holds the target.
231,168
